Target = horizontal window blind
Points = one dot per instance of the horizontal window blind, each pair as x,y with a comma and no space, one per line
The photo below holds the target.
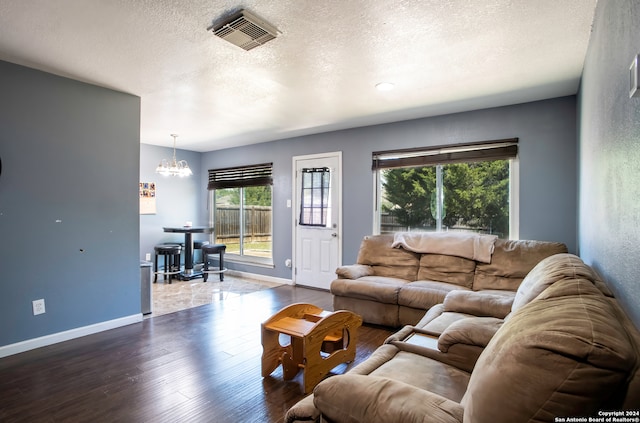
455,153
241,176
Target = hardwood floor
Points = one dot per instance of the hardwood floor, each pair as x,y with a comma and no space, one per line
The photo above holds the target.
195,365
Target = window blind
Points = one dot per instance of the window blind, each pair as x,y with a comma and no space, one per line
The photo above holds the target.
455,153
241,176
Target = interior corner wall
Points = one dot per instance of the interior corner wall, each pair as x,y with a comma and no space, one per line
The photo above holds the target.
548,169
178,200
609,152
68,204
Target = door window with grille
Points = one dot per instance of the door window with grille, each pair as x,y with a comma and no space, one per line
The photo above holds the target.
314,207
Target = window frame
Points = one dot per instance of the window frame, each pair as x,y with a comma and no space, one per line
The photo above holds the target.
506,149
240,177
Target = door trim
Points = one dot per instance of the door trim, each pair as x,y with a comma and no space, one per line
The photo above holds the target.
294,206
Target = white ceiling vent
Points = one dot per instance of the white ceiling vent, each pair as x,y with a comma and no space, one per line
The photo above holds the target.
245,30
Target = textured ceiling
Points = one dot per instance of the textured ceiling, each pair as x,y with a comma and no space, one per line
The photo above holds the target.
318,75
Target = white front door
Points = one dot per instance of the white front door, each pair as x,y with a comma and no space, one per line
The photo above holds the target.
317,219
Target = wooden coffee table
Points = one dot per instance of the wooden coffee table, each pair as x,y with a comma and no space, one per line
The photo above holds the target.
320,340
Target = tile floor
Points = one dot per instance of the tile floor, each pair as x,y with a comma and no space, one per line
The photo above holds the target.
180,295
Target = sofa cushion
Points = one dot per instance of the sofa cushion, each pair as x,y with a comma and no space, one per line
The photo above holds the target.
425,373
480,303
372,399
424,294
511,262
376,252
443,268
546,273
563,354
375,288
416,370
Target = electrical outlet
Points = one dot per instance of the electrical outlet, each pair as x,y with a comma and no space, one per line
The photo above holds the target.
38,307
147,257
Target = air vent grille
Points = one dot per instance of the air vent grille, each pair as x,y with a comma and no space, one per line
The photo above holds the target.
245,30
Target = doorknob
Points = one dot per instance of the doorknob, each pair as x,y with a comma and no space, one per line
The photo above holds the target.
334,235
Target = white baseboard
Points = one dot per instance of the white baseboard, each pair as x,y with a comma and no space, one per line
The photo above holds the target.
54,338
43,341
258,277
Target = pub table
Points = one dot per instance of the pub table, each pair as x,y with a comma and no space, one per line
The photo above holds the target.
189,273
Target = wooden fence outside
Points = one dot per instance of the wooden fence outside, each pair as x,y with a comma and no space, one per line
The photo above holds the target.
389,224
257,223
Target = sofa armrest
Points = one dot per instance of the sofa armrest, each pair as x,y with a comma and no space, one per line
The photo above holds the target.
401,335
476,331
303,411
357,398
354,271
478,303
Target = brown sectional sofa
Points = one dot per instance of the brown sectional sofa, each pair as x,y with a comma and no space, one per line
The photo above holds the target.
466,321
564,349
394,287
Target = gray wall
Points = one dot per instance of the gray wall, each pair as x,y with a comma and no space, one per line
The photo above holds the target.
609,144
178,199
548,170
68,203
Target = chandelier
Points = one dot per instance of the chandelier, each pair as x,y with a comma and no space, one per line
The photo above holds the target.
173,167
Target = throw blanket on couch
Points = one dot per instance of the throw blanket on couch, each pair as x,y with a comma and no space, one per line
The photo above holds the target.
462,244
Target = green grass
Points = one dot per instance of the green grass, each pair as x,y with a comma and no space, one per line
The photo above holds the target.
257,249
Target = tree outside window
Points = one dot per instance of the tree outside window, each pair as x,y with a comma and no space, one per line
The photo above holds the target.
475,197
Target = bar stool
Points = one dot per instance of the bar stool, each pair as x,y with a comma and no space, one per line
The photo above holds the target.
213,249
197,245
171,254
